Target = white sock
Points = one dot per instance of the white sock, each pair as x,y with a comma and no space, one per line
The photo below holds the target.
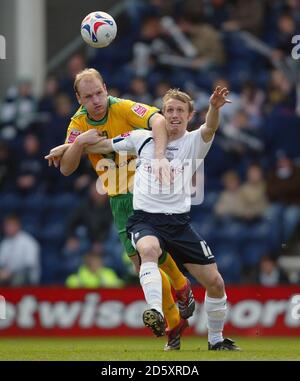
216,314
151,283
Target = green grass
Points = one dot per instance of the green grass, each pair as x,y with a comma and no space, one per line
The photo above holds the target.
137,348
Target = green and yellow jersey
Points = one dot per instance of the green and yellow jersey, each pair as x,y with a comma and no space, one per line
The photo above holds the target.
123,115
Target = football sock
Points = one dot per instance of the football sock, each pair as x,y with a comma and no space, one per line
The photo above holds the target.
168,265
169,306
216,314
151,283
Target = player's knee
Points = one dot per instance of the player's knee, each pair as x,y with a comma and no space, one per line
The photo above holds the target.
149,251
216,285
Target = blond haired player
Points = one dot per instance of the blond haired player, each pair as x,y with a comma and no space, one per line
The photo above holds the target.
103,115
161,220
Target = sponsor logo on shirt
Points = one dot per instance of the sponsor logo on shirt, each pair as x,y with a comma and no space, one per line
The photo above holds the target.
170,155
73,135
125,135
172,148
139,109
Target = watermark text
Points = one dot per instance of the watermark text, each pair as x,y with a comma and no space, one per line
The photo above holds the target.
2,48
296,49
2,308
187,174
295,310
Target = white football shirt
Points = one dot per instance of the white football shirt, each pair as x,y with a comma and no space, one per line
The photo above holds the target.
185,155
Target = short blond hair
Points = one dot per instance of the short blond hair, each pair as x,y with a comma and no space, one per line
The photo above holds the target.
84,74
179,95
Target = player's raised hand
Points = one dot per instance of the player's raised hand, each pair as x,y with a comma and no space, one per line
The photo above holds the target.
56,154
219,97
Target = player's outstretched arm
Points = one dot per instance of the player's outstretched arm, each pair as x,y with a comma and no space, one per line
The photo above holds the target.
71,158
162,168
55,154
212,120
103,147
158,125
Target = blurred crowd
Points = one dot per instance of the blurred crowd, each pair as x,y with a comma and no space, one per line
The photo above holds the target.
59,230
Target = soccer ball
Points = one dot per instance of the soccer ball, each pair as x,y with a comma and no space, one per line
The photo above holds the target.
98,29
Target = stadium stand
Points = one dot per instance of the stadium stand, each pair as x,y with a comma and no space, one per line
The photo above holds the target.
262,125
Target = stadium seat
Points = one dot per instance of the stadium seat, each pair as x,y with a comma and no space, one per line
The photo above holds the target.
53,232
228,261
54,215
63,202
205,228
31,224
35,203
10,203
252,251
50,264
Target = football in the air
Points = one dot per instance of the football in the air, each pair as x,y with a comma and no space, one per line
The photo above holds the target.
98,29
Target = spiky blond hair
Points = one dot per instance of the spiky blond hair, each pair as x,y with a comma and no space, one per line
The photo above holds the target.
179,95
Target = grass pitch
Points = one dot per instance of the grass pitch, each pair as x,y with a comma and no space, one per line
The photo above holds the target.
146,349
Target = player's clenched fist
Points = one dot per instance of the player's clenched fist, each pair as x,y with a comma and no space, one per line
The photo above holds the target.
89,137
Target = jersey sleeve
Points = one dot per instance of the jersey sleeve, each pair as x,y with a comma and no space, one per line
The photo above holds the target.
139,114
130,141
199,147
74,130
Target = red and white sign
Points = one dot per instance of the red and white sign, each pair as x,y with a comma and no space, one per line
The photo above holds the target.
60,311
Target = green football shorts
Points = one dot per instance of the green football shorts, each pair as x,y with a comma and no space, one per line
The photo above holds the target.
122,209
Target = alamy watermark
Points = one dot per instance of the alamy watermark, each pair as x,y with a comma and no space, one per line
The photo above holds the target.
295,307
296,49
2,308
188,177
2,48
